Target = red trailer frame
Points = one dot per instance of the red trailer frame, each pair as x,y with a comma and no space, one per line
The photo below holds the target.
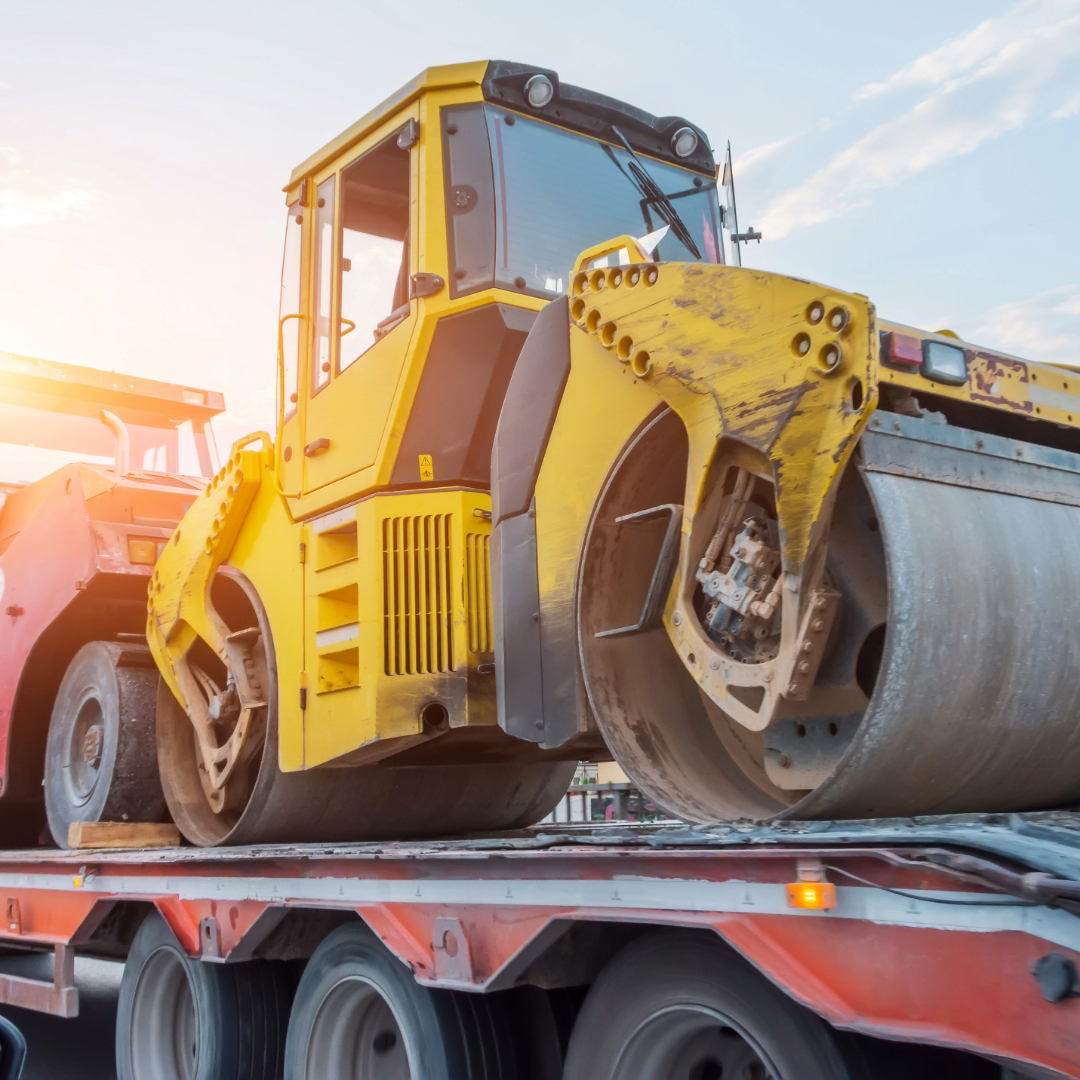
928,942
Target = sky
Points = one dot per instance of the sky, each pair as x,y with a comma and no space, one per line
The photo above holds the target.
925,154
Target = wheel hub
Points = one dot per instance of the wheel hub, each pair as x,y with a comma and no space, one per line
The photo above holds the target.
356,1036
92,743
84,752
691,1042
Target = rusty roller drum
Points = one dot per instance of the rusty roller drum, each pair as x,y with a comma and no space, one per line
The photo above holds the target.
951,681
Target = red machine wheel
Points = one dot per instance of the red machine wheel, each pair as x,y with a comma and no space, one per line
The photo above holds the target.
100,759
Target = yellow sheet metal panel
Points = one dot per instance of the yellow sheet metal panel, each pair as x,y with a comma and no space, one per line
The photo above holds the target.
397,617
433,78
750,355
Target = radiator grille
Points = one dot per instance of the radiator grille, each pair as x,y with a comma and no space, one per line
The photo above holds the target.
417,608
478,592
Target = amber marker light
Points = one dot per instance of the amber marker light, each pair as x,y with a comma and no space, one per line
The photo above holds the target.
811,892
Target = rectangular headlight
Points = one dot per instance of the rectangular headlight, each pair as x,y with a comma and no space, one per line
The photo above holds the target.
944,363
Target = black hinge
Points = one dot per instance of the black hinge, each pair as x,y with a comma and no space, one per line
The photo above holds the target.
303,698
409,135
425,285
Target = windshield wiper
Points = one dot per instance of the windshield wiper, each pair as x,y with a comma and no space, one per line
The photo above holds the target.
653,193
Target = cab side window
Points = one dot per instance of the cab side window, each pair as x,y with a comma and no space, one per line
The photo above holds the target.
289,304
374,262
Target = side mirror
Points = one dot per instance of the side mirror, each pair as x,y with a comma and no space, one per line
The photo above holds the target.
12,1050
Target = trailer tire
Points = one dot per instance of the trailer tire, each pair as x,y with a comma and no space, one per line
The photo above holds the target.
183,1019
359,1014
100,756
683,1003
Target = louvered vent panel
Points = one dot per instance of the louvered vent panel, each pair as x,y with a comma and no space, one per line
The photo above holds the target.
478,592
417,609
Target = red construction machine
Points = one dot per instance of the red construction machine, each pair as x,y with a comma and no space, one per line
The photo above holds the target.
76,548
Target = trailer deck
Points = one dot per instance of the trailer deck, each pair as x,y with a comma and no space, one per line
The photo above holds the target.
938,924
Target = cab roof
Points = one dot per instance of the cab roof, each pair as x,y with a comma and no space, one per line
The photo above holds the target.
502,83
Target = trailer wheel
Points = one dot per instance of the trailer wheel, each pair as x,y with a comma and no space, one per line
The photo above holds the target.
100,757
678,1003
359,1014
182,1019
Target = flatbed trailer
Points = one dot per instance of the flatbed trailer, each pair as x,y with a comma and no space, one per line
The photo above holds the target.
953,932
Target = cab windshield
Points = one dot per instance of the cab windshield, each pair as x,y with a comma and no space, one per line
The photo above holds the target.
525,198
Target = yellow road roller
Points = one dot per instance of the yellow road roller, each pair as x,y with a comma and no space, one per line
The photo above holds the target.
553,482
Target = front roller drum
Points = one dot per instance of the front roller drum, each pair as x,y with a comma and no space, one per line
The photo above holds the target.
262,804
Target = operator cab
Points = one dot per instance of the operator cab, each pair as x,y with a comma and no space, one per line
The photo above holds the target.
421,244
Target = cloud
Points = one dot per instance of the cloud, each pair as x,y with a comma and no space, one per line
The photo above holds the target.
1071,107
746,161
1070,306
960,54
1044,327
988,81
26,200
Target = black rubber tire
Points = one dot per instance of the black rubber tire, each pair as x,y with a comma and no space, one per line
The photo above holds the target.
232,1016
355,989
667,977
110,687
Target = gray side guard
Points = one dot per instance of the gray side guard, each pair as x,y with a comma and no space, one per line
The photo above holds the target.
528,415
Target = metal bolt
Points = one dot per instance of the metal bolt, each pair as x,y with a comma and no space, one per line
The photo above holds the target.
539,725
677,618
784,761
820,602
793,688
818,624
804,666
807,646
714,663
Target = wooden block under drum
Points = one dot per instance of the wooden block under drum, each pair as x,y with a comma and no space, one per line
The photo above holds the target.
121,834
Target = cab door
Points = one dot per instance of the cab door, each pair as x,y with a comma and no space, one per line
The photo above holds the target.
362,317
